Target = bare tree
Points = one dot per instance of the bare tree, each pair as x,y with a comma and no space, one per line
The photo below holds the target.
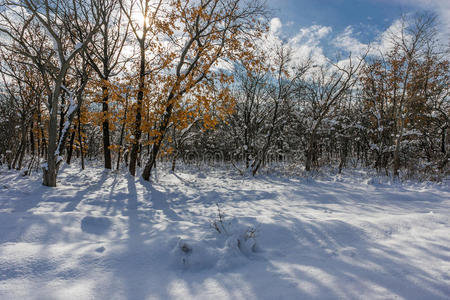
39,31
286,80
409,45
106,57
145,23
328,85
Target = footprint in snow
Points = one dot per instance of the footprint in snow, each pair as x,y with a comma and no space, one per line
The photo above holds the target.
95,225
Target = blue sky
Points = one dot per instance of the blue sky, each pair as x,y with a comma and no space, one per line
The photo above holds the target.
338,14
324,26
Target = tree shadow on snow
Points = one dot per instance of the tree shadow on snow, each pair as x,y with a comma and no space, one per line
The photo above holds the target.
325,266
301,258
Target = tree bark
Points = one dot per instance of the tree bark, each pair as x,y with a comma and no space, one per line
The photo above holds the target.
137,129
444,139
310,151
70,151
51,169
105,126
157,142
80,139
122,133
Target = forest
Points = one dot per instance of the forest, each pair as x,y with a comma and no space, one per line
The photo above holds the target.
131,83
220,149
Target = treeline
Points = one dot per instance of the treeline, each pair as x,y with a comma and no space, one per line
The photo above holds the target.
131,82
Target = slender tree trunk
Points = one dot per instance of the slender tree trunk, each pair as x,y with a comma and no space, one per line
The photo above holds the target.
32,140
151,162
119,154
310,152
174,161
139,159
43,149
344,153
80,139
62,115
260,160
444,139
22,153
16,156
105,103
9,159
137,129
70,151
398,142
17,164
157,142
105,126
122,134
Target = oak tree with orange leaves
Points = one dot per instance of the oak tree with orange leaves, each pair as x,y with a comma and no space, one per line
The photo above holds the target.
203,35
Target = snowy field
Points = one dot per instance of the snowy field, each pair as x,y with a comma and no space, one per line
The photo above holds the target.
104,235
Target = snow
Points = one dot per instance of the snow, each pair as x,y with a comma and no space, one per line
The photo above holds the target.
78,46
374,147
55,46
72,107
107,235
412,132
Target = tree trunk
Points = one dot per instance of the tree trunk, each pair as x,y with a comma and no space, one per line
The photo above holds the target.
260,160
32,143
80,139
174,161
137,128
9,159
157,142
444,139
344,153
398,142
16,156
49,177
122,133
105,125
310,152
70,151
22,153
119,154
50,170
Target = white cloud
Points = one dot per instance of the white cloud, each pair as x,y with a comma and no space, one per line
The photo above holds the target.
348,42
304,44
312,34
385,41
440,7
309,42
275,25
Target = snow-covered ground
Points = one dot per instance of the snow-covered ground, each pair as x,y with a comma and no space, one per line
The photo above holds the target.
104,235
